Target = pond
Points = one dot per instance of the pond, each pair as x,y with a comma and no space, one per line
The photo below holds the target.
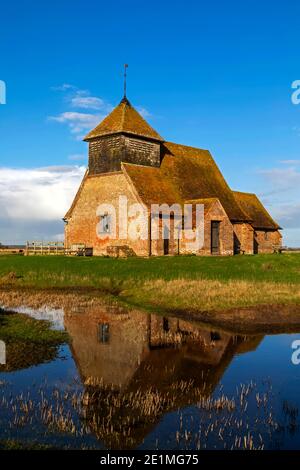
131,380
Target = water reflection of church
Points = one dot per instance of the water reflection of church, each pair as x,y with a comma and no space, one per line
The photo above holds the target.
128,353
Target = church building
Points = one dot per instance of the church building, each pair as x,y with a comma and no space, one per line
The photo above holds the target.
128,158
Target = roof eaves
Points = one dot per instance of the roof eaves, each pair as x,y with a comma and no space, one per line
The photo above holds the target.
69,213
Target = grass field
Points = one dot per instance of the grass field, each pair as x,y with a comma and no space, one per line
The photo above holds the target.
186,282
28,341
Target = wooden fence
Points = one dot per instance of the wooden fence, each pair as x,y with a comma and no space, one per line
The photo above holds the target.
44,248
56,248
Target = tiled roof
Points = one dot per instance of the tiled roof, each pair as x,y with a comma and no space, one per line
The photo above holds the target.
206,202
250,203
185,173
124,119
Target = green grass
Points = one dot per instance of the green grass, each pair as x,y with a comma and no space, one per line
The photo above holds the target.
163,282
59,271
28,341
18,327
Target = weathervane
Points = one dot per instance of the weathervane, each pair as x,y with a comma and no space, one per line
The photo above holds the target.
125,77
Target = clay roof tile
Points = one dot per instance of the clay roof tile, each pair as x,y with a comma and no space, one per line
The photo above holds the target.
185,173
124,119
250,203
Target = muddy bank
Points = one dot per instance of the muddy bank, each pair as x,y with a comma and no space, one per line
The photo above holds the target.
53,297
249,320
244,320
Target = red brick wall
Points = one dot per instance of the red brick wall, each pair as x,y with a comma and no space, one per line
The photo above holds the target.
102,189
215,213
157,246
244,237
81,227
265,241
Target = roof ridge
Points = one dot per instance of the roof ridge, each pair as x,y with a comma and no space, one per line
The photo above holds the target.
186,146
123,112
244,192
202,199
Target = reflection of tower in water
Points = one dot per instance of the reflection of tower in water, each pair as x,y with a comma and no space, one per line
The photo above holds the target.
137,366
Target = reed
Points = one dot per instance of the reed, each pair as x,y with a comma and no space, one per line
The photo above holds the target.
120,419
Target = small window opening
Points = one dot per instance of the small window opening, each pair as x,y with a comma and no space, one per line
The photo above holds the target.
103,333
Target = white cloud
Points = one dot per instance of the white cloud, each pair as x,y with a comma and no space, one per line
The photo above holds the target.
87,102
77,122
289,215
33,201
290,162
63,87
144,112
282,177
83,99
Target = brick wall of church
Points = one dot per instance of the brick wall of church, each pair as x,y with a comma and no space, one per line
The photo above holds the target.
81,227
158,246
107,153
106,189
216,213
266,241
243,238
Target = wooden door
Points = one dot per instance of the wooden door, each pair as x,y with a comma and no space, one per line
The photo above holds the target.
215,237
166,246
166,235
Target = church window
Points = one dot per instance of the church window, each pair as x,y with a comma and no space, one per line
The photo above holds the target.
105,223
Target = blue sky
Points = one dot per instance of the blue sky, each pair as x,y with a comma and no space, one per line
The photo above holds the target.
215,75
